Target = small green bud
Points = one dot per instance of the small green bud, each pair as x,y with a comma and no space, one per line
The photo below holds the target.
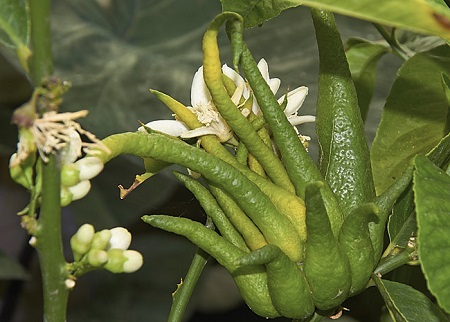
22,173
81,241
116,260
97,257
70,175
66,196
120,238
101,239
72,150
134,261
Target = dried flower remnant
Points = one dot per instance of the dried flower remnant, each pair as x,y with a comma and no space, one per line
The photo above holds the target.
53,132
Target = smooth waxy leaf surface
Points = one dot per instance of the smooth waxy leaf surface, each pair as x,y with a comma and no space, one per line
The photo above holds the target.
414,117
430,17
404,208
432,192
417,15
255,12
406,304
14,29
362,59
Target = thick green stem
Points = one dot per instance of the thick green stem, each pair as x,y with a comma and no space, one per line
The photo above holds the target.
49,245
41,59
48,234
183,294
391,262
392,41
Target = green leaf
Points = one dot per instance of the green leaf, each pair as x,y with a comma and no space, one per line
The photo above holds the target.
11,269
14,24
406,304
432,192
414,117
255,12
416,43
362,57
446,86
407,229
415,15
404,208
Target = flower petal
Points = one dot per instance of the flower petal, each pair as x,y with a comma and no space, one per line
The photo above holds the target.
237,79
89,167
170,127
204,130
199,92
297,120
264,69
80,190
73,148
274,83
295,99
238,93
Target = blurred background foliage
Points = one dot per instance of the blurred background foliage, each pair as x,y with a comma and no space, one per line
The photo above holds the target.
113,52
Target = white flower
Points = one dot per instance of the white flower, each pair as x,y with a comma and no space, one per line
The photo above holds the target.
203,107
295,98
207,114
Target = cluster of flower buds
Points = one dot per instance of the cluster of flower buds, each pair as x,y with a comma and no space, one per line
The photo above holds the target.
75,178
60,134
106,249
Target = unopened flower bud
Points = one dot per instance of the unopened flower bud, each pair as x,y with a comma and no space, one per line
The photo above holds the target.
20,172
66,196
116,260
89,167
97,257
101,239
70,175
80,190
120,238
81,240
134,261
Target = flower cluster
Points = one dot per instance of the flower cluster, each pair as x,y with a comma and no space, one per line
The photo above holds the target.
106,249
75,175
213,123
51,133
